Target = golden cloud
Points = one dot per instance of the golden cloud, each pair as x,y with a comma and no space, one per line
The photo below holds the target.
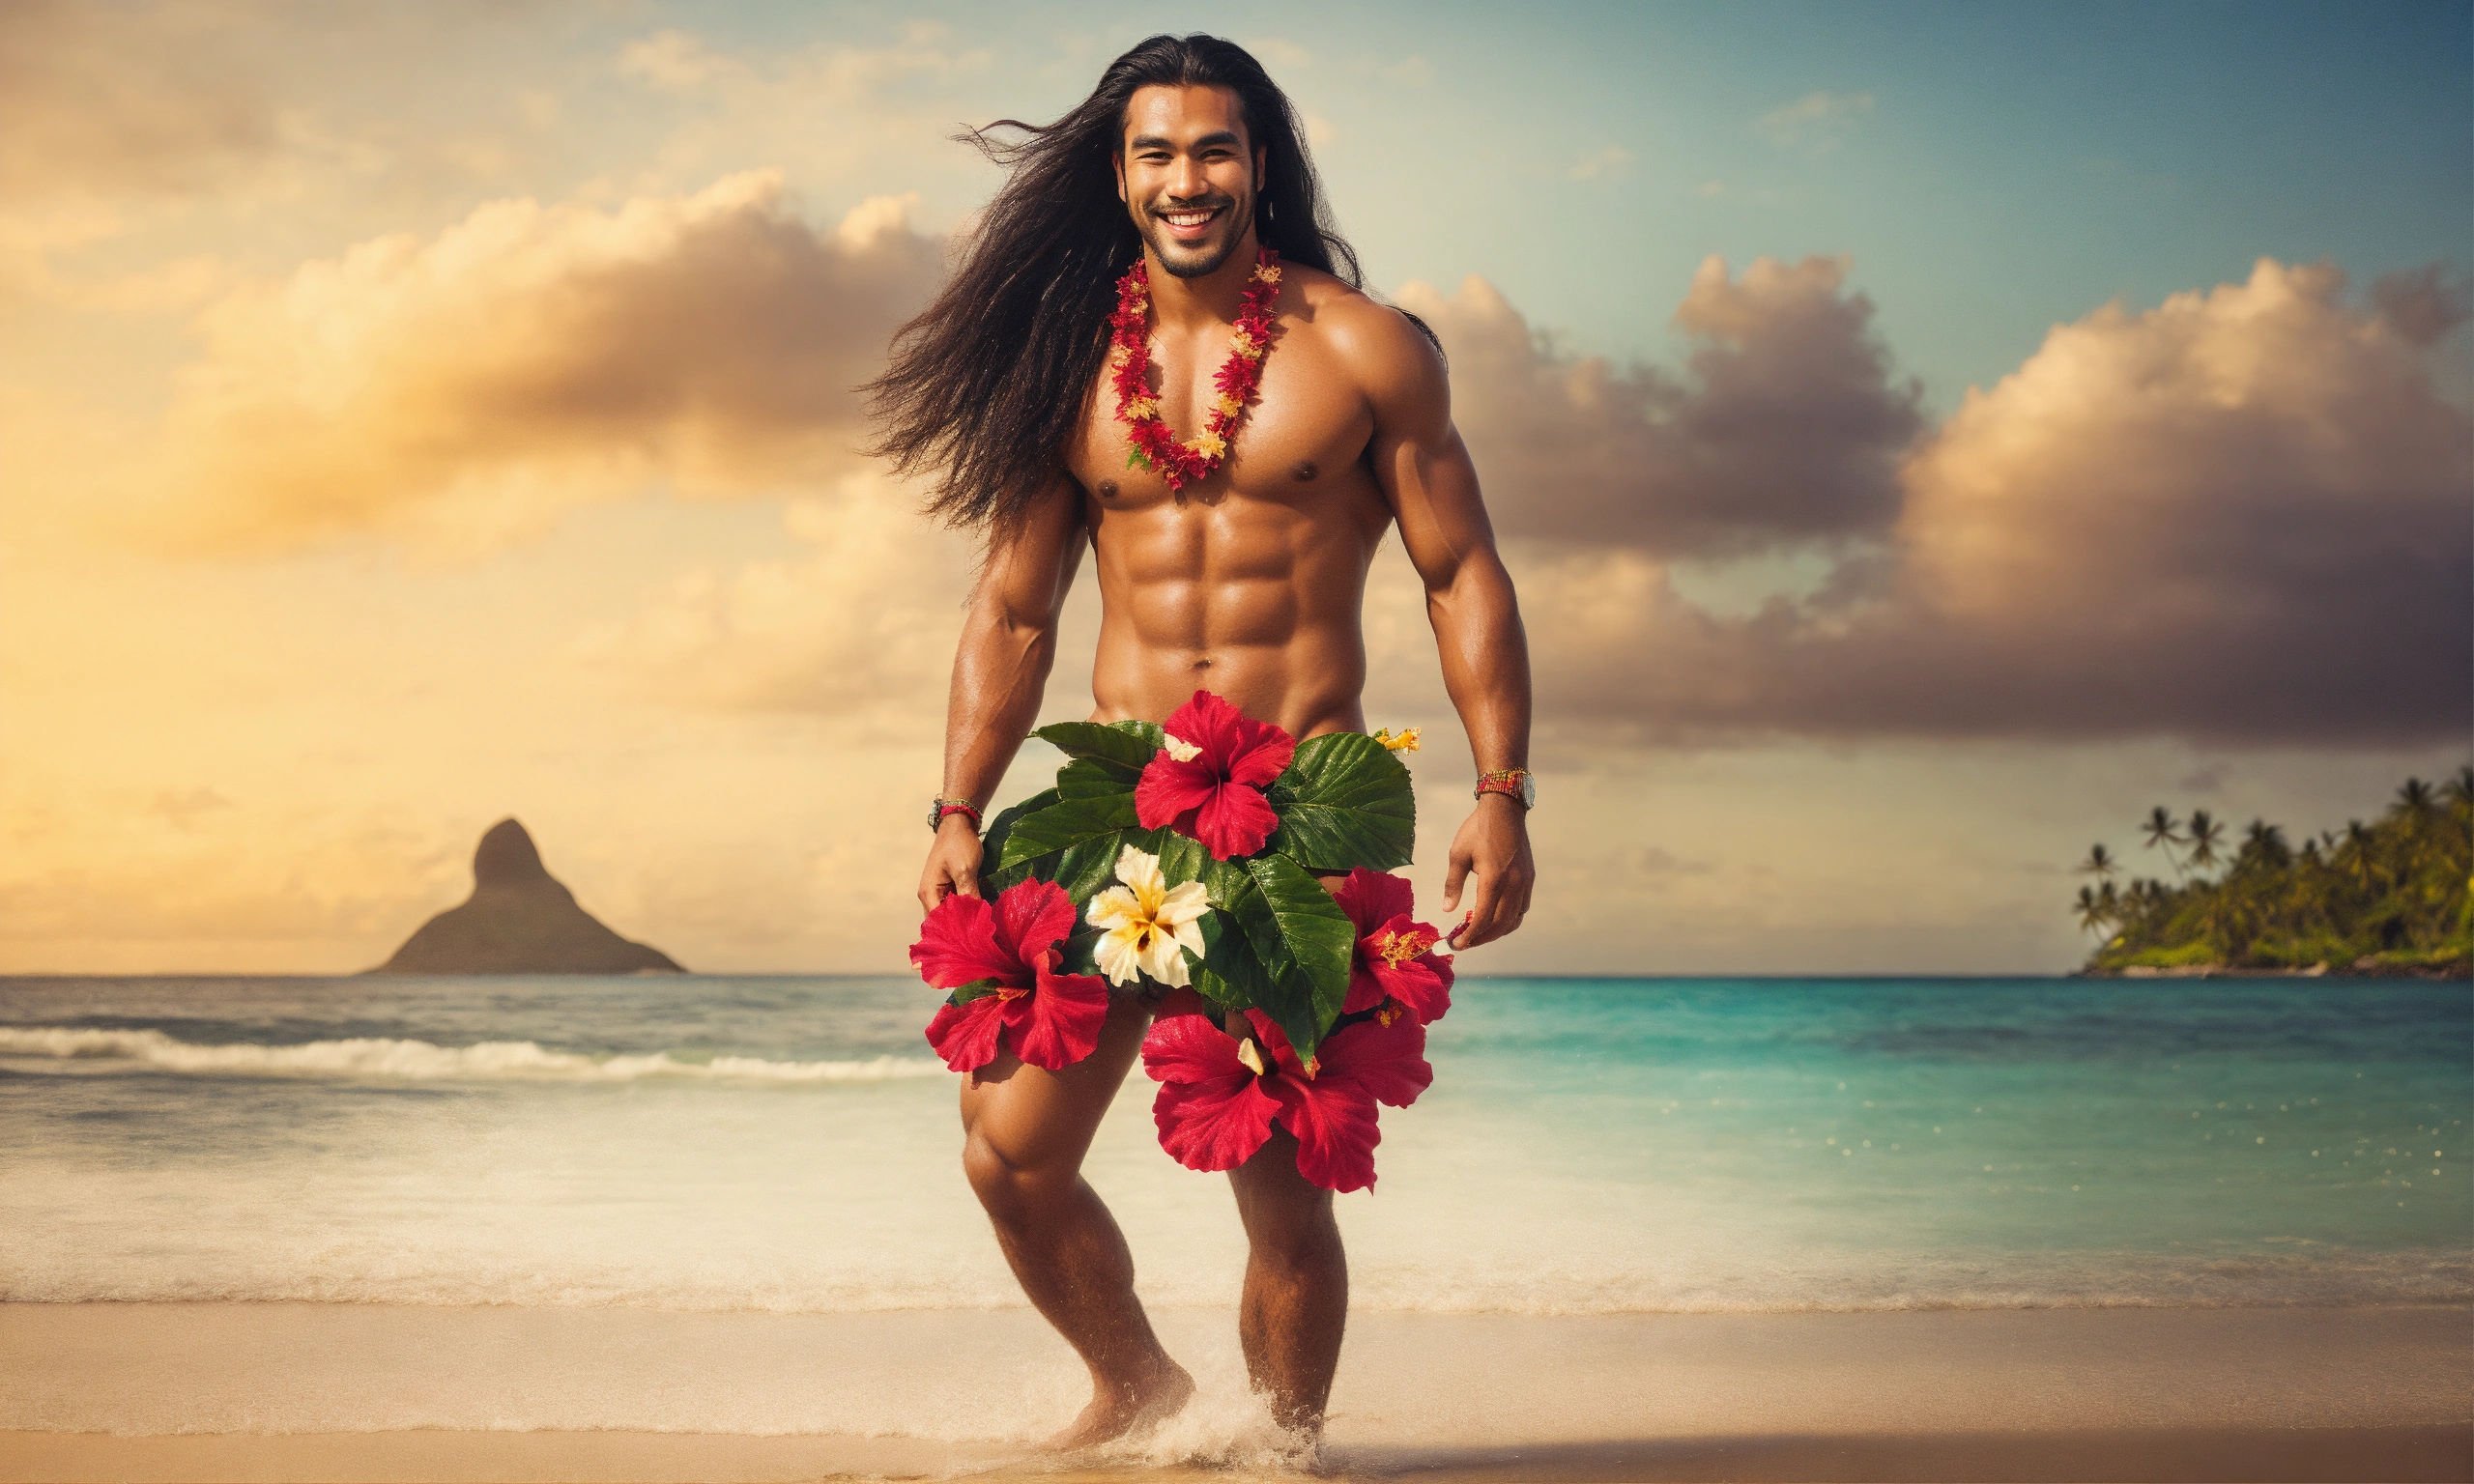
462,391
1787,427
2242,517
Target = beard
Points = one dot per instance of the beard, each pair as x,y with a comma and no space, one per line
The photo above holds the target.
1196,260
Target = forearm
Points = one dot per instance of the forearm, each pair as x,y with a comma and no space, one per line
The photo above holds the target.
1485,659
1001,672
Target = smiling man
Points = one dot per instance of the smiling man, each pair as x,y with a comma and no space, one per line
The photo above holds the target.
1231,548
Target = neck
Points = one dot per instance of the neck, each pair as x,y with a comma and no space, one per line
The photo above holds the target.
1212,300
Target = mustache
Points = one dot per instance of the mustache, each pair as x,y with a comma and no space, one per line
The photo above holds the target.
1163,205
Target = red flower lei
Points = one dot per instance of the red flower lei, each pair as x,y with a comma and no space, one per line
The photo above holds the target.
1154,446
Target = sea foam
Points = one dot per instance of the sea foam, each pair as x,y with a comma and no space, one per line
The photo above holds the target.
385,1059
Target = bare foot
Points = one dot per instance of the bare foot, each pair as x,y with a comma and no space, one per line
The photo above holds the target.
1116,1411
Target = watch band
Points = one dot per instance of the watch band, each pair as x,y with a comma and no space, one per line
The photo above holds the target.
1520,782
941,808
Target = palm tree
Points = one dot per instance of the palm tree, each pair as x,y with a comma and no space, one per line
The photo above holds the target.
2092,911
2459,792
2100,864
2207,833
2415,797
2164,833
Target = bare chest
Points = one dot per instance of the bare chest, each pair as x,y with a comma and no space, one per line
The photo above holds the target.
1300,445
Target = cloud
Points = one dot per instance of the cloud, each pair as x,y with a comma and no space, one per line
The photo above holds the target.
862,628
101,98
1787,427
2243,517
461,390
2423,304
1819,121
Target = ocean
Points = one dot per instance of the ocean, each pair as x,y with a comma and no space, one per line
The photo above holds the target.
1590,1146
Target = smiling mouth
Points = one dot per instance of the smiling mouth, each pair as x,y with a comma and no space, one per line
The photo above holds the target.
1189,221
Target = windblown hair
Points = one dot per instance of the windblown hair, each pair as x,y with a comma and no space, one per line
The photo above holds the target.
988,383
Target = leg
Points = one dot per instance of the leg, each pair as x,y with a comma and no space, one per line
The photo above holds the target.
1025,1132
1297,1284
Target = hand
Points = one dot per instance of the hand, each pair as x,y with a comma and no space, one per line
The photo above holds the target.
952,863
1493,842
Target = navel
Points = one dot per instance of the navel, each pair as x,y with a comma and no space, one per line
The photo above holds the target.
1304,471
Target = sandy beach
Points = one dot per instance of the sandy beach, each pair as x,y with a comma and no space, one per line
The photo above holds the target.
378,1392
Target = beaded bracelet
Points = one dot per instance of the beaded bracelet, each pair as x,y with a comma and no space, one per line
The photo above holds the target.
941,808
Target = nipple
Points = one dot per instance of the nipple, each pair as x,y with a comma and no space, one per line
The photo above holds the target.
1107,489
1304,471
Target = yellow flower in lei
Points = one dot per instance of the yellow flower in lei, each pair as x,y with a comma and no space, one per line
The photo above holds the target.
1267,272
1142,406
1405,742
1147,922
1210,446
1229,407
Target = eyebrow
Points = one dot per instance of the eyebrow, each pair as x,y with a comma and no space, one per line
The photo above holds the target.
1155,142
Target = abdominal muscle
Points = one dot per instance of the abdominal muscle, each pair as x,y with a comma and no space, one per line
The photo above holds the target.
1257,600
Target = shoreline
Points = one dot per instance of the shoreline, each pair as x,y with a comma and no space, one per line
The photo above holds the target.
374,1392
2437,1452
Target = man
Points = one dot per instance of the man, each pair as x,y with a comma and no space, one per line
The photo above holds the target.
1247,581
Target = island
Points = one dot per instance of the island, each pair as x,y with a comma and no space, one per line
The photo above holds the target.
2393,897
520,920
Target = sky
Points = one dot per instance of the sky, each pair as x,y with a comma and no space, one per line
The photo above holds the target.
1925,437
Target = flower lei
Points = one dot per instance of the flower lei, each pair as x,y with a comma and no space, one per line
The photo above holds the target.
1154,446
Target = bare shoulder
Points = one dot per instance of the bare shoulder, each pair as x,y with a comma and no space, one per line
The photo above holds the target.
1383,350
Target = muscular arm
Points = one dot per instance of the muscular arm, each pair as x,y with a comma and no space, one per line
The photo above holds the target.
1000,670
1424,472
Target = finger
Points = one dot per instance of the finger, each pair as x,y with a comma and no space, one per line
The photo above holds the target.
966,882
1452,880
1482,912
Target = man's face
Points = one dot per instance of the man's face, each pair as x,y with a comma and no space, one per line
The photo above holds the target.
1188,174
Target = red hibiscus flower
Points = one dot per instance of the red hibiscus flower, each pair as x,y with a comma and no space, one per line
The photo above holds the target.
1220,1095
1054,1019
1395,958
1208,782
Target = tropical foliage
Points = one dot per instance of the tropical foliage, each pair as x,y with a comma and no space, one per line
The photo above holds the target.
1274,940
2394,896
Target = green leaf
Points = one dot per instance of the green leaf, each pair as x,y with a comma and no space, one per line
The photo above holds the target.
1063,825
1088,867
1182,858
1130,743
1095,777
1344,801
993,877
1227,974
1078,954
1304,942
977,989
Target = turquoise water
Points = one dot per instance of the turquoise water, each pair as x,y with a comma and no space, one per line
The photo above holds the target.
1589,1146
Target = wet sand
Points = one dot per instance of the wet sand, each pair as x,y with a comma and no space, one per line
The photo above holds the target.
359,1392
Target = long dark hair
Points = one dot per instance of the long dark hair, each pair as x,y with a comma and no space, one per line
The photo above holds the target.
988,383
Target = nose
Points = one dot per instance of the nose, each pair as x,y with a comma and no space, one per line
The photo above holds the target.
1186,180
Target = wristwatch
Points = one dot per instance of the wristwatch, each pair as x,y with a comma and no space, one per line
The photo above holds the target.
1518,782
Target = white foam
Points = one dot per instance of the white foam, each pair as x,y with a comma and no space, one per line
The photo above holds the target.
385,1059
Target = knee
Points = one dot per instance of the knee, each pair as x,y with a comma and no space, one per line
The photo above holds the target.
1294,1240
1004,1185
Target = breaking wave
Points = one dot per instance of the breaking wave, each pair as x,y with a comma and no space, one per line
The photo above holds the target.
384,1059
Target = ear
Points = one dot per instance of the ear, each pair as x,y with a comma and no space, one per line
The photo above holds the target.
1116,163
1262,163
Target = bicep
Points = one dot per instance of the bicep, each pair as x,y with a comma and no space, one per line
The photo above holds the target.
1423,467
1029,566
